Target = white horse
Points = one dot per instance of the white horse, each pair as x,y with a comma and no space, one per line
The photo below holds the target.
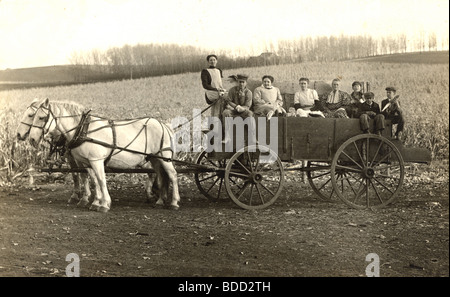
119,144
81,191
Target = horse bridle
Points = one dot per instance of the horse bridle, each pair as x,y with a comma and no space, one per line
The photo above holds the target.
35,110
54,118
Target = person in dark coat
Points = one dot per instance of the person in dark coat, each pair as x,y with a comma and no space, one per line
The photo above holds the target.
370,110
390,107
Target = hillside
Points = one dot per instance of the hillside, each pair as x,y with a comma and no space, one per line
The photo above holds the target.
51,76
440,57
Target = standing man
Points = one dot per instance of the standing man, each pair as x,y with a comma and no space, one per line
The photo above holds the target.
390,107
336,102
212,84
370,110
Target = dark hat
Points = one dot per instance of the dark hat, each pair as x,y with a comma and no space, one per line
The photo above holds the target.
241,77
391,89
209,56
369,95
356,83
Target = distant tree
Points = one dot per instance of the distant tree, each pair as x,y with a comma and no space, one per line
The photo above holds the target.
432,41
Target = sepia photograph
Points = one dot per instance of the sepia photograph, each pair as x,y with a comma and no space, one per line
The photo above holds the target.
217,147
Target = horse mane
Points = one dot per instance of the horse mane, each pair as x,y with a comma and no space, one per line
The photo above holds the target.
71,107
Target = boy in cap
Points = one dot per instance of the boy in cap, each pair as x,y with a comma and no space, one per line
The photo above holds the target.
370,110
390,107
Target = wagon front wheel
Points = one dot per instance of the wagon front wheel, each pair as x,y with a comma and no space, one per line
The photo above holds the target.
319,178
254,177
371,171
210,183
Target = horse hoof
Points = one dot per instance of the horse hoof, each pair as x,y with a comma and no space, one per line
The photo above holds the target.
160,206
82,203
73,201
94,207
174,207
103,209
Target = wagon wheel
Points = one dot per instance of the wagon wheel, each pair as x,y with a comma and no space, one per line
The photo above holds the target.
319,178
372,171
211,184
254,177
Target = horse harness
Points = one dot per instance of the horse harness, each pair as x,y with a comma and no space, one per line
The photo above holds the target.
82,131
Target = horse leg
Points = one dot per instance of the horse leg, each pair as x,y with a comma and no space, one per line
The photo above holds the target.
98,193
105,200
151,187
158,183
86,190
75,197
171,175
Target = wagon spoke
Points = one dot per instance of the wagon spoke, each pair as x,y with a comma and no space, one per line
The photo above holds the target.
242,165
376,192
359,153
207,191
351,159
268,190
249,161
251,193
367,193
382,159
350,169
359,191
324,184
376,153
209,177
259,193
242,190
367,150
220,188
242,175
383,185
320,175
212,163
350,184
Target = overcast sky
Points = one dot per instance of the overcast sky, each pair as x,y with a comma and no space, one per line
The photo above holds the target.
46,32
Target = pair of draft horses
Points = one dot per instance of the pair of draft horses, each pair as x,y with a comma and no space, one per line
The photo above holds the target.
95,141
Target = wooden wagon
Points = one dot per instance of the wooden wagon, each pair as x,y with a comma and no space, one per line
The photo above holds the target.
363,170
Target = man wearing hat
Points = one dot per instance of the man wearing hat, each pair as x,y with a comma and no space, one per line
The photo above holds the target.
239,101
370,110
390,107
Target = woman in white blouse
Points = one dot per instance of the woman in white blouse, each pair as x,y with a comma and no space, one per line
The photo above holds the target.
267,100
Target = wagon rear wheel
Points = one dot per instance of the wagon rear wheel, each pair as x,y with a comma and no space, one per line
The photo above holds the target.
372,171
254,177
211,183
319,178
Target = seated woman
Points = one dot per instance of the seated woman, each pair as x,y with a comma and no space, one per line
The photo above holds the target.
267,100
305,99
336,102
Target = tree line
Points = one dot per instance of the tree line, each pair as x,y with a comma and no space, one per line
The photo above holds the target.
144,60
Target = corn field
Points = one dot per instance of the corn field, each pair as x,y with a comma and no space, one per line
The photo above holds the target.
423,90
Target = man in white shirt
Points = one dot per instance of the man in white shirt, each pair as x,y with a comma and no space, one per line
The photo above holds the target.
304,99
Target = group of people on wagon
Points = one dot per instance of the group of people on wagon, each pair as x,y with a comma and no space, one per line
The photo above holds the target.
266,100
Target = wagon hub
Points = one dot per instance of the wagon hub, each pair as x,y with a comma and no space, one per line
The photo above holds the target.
256,178
368,172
